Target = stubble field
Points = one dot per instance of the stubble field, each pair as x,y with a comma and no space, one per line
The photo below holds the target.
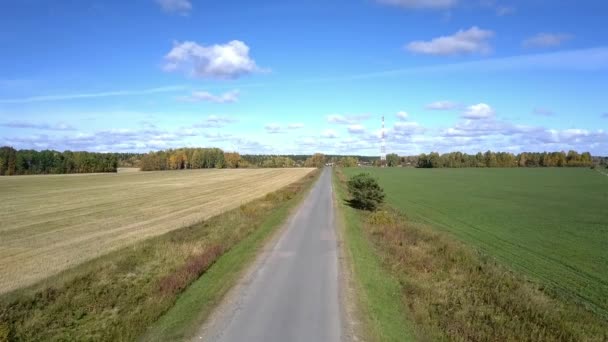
51,223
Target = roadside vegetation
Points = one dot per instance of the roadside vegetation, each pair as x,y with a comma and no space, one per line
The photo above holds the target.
119,295
445,289
366,192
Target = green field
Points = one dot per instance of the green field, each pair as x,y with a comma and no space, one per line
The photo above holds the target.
551,224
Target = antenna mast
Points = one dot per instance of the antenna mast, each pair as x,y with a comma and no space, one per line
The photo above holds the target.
382,143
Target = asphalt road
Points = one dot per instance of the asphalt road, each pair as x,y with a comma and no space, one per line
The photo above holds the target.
291,292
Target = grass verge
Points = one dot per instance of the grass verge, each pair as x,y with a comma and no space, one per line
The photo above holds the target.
451,292
377,290
119,295
195,305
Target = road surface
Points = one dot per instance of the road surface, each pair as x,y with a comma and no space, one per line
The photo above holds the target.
291,292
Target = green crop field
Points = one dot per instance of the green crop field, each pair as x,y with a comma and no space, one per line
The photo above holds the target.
551,224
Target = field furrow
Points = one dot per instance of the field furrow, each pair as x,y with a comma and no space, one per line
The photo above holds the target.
51,223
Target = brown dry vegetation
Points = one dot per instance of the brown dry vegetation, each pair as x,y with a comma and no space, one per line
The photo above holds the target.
51,223
116,297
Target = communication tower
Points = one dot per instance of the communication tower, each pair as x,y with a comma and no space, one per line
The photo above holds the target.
382,143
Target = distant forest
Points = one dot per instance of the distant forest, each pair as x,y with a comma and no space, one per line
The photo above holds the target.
31,162
504,159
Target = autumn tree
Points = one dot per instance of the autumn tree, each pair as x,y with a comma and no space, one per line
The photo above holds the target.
348,162
317,160
392,159
232,159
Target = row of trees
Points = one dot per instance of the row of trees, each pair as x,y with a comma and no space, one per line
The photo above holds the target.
205,158
31,162
183,158
504,159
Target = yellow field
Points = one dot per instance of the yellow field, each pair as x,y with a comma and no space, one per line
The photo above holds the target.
50,223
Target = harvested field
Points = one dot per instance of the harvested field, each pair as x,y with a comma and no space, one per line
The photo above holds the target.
51,223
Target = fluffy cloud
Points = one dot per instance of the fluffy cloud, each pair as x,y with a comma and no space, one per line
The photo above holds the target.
442,105
182,7
329,133
402,115
356,129
41,126
473,40
220,61
401,128
432,4
546,40
478,111
346,120
203,96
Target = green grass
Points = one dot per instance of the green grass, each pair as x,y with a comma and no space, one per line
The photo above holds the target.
193,306
116,297
450,291
377,291
550,224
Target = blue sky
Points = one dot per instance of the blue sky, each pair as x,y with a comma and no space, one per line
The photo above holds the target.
305,76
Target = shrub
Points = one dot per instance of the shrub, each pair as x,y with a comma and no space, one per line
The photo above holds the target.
367,193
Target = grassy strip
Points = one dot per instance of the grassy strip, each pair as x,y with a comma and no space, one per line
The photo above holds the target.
378,292
119,295
450,292
193,306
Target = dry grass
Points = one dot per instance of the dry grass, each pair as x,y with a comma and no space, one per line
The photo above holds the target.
453,293
51,223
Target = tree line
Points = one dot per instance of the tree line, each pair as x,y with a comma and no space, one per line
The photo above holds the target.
31,162
210,158
504,159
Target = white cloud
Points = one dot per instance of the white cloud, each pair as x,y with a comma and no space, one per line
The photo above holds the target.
473,40
431,4
329,133
478,111
273,128
203,96
63,97
296,125
38,125
442,105
546,40
356,129
182,7
402,115
346,120
407,127
220,61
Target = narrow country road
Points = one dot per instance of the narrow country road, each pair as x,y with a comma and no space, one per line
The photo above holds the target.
291,294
